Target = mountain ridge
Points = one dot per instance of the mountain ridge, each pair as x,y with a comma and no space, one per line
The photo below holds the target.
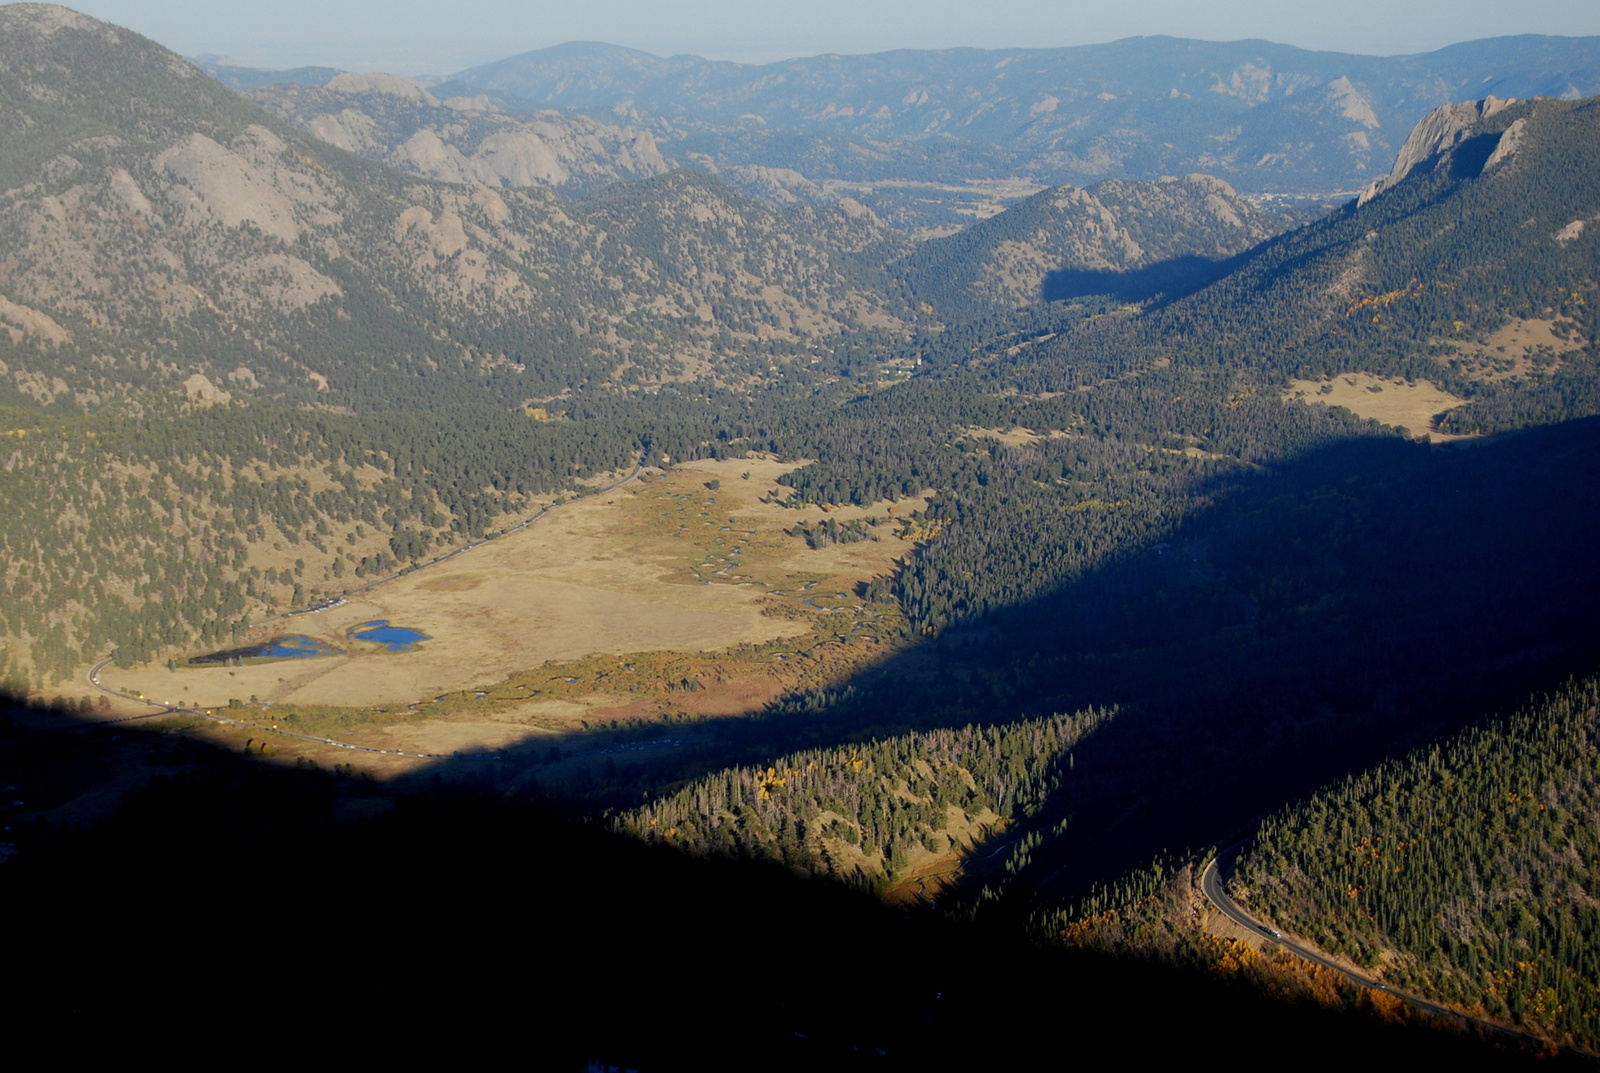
1068,241
169,226
922,137
463,139
1060,109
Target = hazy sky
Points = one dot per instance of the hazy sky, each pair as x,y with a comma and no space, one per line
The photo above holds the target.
434,37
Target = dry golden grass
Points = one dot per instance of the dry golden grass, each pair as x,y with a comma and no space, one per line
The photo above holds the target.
1520,348
452,583
1411,405
1016,436
663,566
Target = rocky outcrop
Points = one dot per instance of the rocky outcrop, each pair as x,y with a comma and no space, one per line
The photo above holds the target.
219,186
1440,131
1506,148
20,322
353,83
46,20
464,139
202,392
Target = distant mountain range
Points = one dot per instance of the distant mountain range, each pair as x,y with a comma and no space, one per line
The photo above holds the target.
148,207
464,139
917,135
1070,107
156,225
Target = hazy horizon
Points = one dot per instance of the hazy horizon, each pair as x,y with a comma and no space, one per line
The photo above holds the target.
424,37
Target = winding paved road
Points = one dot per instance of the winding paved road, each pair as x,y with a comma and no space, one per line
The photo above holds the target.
1211,885
93,676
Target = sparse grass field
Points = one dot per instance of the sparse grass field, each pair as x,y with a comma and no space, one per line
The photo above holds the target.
1411,405
672,599
1521,348
1016,436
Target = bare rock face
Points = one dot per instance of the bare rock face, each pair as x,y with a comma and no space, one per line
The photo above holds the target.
1506,148
465,139
244,377
20,323
1352,103
782,185
354,83
218,185
127,190
202,392
1440,130
446,236
244,182
1571,232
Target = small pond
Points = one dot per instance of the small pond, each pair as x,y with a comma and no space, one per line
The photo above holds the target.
296,646
394,638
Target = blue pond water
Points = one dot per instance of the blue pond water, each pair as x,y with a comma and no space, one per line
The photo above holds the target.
395,638
296,647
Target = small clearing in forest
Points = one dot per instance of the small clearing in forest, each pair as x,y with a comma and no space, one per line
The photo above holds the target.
1521,348
1409,404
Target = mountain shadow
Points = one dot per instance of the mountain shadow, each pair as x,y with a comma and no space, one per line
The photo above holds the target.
1347,604
1351,603
227,897
1170,279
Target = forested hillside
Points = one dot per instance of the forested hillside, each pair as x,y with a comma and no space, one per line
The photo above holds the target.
155,224
1491,232
242,370
1463,871
1066,242
1132,414
1129,511
866,813
131,531
829,978
1268,624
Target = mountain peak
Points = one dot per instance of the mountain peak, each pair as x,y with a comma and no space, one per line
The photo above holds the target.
1437,133
45,20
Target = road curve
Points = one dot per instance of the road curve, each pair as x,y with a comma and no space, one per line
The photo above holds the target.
1211,881
93,676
